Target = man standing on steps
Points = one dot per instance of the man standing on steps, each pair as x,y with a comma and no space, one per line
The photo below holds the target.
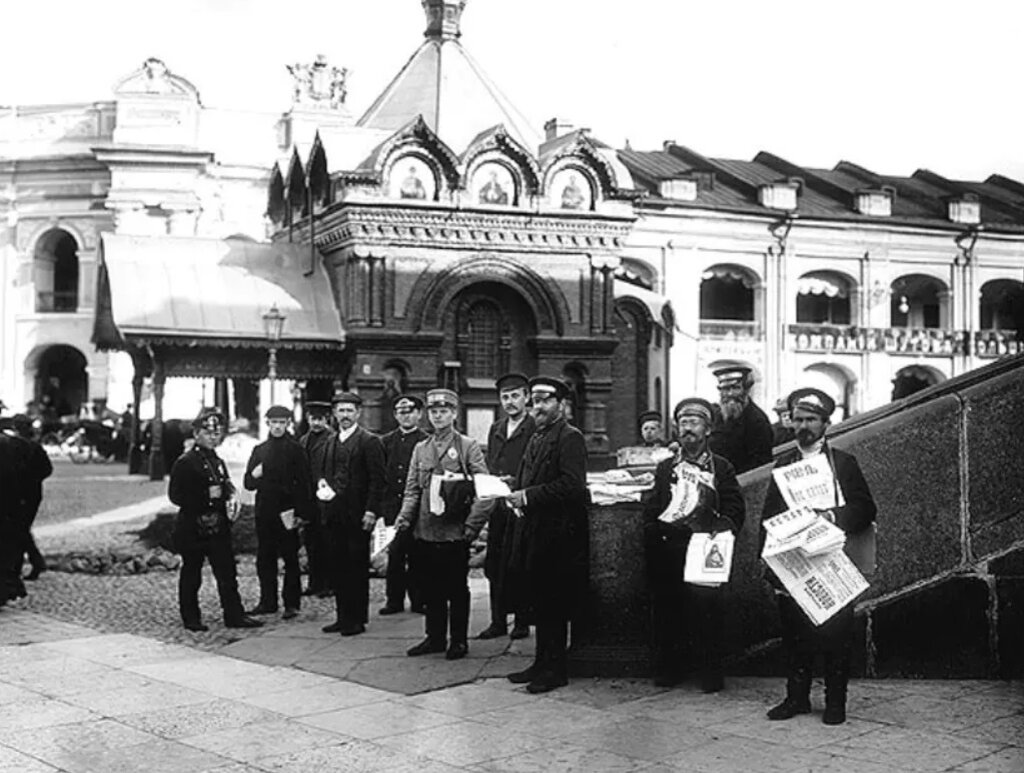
398,447
318,443
854,513
744,435
349,526
550,558
201,487
279,474
506,443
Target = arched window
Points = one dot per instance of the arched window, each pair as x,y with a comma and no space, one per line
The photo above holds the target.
55,272
823,298
485,334
1002,305
917,301
727,293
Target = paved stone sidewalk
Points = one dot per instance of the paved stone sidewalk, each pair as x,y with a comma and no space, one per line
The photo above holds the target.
77,700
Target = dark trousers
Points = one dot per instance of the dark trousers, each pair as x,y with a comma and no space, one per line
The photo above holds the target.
274,542
31,551
443,568
687,624
401,573
190,578
552,633
11,535
802,641
348,555
316,554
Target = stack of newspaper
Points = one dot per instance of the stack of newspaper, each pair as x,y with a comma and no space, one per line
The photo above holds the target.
804,548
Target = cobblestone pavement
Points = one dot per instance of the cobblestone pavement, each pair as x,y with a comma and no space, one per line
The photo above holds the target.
78,700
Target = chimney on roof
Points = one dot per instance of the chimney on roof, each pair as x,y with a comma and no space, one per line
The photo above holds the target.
444,18
874,202
965,209
556,128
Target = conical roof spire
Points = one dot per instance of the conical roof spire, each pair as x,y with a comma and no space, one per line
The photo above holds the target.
443,18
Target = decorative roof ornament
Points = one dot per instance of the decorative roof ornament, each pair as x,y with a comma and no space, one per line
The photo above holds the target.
443,18
318,84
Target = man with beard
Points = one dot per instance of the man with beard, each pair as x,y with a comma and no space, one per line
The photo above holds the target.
201,487
550,556
349,526
744,436
695,491
854,513
398,447
444,526
278,472
318,443
506,442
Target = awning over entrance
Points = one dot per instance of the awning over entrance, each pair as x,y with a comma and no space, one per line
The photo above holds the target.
657,305
176,290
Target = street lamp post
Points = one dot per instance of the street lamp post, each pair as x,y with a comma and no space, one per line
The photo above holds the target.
273,326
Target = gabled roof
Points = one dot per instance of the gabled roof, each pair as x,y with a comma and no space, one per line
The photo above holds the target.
456,98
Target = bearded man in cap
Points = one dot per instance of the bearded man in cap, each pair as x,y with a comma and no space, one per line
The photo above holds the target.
201,487
854,512
695,491
550,557
318,443
744,435
506,442
398,447
443,526
350,525
278,472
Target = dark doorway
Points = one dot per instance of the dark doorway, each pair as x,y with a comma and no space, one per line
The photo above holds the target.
61,384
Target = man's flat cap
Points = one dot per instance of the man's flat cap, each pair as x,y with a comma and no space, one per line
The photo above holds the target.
694,406
647,416
347,397
278,412
546,386
442,398
409,401
813,400
511,381
317,407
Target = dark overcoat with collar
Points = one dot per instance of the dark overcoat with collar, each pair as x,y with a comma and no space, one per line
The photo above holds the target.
364,492
548,568
504,455
745,442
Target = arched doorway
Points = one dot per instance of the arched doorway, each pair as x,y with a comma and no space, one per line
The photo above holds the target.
61,384
488,327
55,272
914,378
835,381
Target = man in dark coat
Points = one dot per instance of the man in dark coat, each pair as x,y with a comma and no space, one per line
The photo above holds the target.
398,447
744,435
506,443
318,444
550,557
37,469
201,487
13,493
349,526
695,491
854,513
278,472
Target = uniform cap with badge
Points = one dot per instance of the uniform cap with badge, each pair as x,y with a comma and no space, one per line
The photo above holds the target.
693,406
543,387
209,419
406,403
734,374
442,398
813,400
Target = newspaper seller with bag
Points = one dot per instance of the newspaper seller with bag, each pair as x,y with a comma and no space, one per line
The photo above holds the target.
445,517
695,495
854,512
201,487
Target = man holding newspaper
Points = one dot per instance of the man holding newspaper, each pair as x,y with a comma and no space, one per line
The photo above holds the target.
819,537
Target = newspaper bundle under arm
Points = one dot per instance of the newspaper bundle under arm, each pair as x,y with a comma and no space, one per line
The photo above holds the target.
821,584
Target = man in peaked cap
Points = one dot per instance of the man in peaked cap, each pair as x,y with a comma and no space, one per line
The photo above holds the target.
506,442
550,560
744,436
854,513
350,524
318,442
650,429
398,447
695,491
201,487
278,472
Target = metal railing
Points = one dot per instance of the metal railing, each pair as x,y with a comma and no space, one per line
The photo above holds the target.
62,301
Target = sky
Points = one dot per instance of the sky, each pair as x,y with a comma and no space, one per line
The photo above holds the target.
892,85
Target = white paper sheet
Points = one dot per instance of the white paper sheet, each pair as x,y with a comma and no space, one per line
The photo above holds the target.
709,559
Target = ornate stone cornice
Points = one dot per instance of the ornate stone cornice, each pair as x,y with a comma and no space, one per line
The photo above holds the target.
390,227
